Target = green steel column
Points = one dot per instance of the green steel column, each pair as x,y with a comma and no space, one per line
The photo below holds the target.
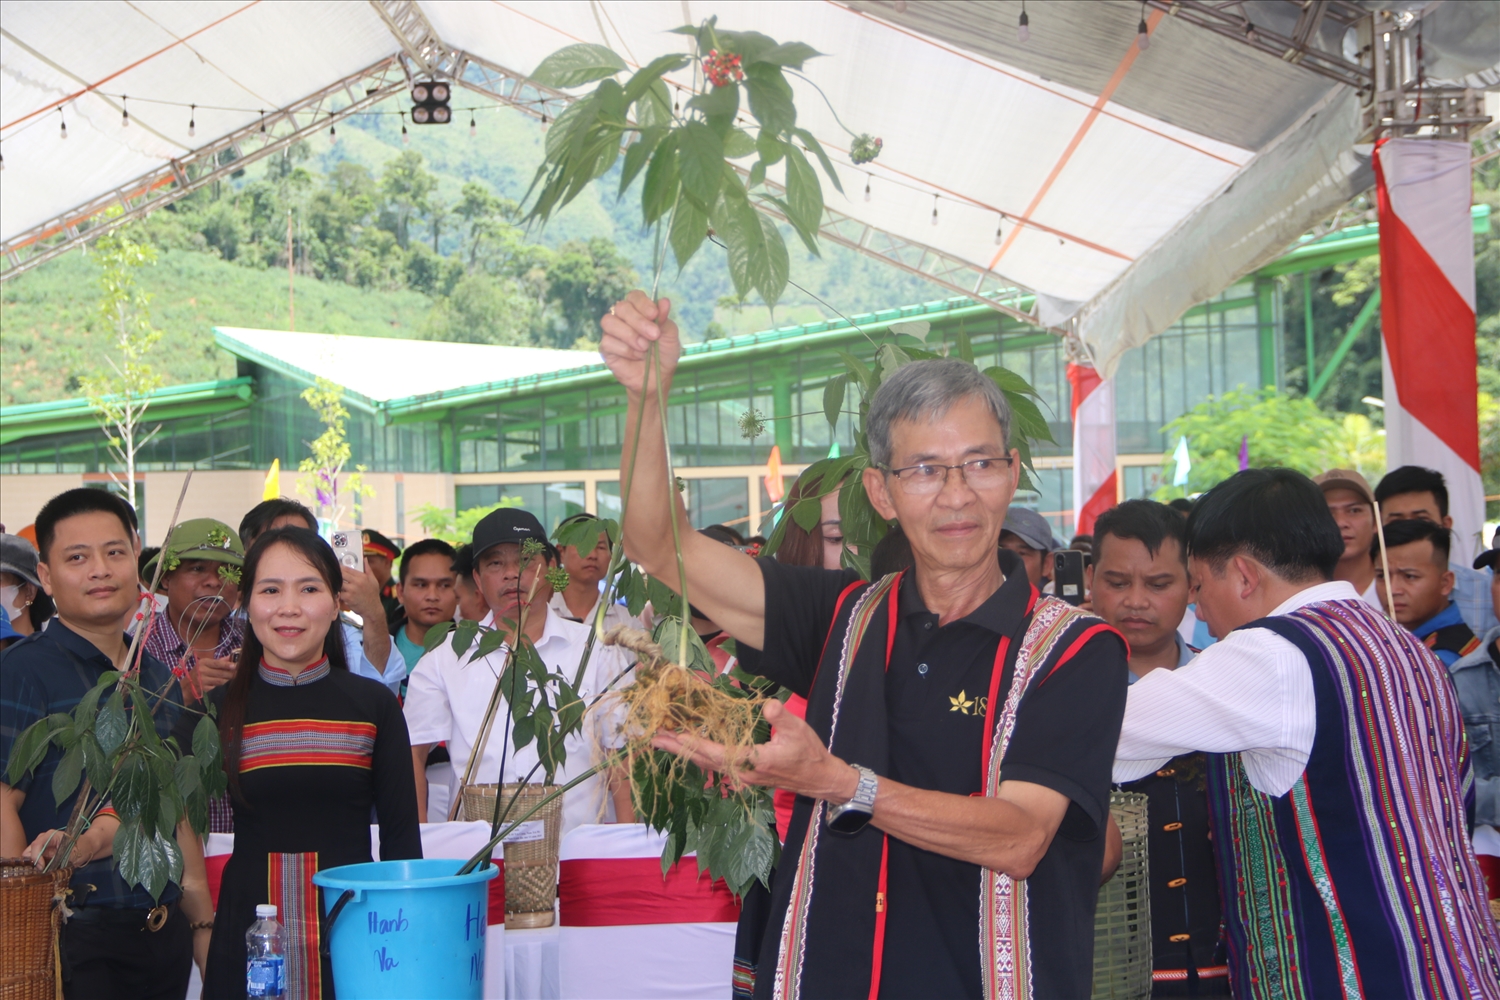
449,443
781,402
1307,328
1265,318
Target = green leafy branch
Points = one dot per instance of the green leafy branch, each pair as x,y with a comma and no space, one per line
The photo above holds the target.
115,753
687,155
861,524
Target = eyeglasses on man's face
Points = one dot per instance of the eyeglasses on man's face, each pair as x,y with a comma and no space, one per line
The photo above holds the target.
926,478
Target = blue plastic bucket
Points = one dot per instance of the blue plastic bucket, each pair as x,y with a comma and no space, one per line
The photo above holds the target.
411,930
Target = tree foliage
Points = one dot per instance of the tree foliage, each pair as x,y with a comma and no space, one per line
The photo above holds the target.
321,471
121,394
1279,429
489,282
456,527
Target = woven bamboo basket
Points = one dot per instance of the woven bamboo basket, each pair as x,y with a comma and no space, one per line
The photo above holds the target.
1122,920
530,865
29,916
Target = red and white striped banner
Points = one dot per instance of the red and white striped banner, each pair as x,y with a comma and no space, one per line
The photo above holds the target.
1094,475
1427,321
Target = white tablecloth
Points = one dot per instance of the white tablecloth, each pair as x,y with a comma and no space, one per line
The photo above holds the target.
531,964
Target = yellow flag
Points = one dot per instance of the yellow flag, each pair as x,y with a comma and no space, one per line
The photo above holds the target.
774,488
273,481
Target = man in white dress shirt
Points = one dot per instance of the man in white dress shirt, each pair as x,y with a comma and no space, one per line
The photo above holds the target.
1338,774
447,694
579,601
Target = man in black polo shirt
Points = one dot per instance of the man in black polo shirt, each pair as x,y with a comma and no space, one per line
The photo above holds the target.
953,772
88,566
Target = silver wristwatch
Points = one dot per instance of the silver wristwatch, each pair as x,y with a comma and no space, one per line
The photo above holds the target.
851,816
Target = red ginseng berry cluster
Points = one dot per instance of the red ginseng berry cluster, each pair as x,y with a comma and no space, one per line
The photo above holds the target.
722,67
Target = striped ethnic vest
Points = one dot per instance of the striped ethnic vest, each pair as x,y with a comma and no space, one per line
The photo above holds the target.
1360,881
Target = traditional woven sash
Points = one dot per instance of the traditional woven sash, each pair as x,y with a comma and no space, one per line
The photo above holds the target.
857,864
290,889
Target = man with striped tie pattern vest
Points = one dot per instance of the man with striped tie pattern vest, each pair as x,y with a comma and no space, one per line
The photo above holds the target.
952,774
1339,781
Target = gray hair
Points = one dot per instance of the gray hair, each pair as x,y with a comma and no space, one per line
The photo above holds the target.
924,390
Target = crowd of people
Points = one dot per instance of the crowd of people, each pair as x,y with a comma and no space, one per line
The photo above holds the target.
1293,671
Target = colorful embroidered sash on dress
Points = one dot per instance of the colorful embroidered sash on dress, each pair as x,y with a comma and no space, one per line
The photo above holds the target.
290,888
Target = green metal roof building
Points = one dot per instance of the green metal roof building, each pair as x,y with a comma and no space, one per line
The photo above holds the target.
481,421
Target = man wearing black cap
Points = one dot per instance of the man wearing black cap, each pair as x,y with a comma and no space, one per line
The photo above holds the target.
447,694
1028,535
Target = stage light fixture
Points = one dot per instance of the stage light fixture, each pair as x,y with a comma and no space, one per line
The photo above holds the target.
429,100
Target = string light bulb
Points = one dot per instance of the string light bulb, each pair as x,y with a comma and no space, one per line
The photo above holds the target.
998,226
1142,33
405,138
333,134
63,127
263,122
934,210
867,187
192,120
124,112
473,130
1023,26
2,161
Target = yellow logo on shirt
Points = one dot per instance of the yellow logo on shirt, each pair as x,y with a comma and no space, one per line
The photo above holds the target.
965,705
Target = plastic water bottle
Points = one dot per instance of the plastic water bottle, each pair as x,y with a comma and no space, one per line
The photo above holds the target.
265,955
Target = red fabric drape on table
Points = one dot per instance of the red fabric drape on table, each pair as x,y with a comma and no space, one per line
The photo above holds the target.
1490,865
497,894
214,863
610,892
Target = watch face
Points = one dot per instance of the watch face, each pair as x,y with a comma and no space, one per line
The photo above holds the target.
849,821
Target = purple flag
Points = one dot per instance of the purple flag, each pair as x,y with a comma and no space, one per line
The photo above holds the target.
1244,452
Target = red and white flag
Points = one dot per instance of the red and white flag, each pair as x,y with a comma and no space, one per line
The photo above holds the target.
1094,476
1427,321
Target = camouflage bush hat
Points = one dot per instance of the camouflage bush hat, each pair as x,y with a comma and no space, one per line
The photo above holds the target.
200,538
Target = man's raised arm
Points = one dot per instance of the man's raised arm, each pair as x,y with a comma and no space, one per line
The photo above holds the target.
722,583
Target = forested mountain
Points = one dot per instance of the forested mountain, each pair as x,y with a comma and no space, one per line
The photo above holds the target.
390,238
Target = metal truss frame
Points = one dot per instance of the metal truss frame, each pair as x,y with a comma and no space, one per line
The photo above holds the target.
1394,100
1230,20
271,134
424,53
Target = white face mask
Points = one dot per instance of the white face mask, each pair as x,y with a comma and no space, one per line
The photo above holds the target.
11,598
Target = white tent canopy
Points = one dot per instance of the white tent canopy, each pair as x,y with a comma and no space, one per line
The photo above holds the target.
1133,183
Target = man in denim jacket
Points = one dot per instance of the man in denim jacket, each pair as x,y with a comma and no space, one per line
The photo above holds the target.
1477,677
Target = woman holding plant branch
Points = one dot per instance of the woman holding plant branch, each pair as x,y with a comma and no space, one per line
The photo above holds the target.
953,773
310,750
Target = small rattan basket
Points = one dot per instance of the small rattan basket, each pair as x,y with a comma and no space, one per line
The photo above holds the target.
1122,920
28,912
530,865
